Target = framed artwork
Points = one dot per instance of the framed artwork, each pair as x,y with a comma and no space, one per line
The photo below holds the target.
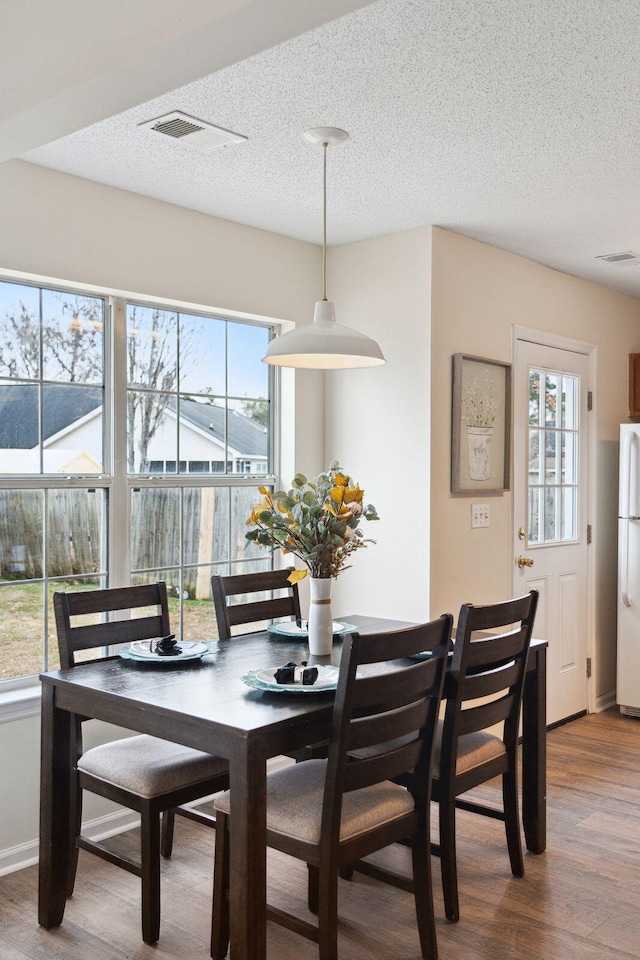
480,425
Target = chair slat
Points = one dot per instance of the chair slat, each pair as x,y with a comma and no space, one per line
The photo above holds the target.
116,631
485,684
259,610
495,650
487,714
378,689
389,725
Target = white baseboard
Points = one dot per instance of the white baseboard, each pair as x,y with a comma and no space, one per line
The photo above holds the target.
26,854
605,701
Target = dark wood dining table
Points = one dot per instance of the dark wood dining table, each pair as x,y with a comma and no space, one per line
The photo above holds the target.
205,704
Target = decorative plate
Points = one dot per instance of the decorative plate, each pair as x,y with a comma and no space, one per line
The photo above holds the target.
264,679
191,650
291,629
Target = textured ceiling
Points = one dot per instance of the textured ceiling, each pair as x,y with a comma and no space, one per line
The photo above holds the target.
512,122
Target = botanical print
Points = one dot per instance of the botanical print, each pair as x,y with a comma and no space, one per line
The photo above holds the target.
480,425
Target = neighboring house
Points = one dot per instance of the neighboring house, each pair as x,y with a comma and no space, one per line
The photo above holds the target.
72,434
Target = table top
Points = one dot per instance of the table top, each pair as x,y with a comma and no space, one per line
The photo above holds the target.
209,691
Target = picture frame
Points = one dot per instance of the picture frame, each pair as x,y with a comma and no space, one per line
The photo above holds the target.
480,425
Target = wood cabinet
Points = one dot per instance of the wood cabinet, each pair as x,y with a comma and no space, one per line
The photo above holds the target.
634,384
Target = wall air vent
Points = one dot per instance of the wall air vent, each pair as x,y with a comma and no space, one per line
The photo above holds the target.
627,257
180,127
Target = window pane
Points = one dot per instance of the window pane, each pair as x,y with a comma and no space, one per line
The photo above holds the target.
75,534
243,500
535,517
198,620
535,464
202,354
73,429
21,531
152,339
550,458
570,402
248,376
154,435
569,460
569,519
72,337
249,435
202,426
19,427
551,504
534,397
155,528
551,398
21,629
19,331
206,524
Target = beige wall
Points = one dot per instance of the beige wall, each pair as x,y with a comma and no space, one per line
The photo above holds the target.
479,293
377,420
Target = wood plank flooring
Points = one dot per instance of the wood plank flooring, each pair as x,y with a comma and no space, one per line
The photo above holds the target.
578,901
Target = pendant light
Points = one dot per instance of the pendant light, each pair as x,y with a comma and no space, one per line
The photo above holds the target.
324,344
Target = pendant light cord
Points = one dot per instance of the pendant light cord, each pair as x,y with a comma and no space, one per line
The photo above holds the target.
324,223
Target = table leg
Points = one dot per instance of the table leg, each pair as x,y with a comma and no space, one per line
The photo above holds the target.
247,824
534,752
55,797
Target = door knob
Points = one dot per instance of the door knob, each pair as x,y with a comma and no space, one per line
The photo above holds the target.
524,562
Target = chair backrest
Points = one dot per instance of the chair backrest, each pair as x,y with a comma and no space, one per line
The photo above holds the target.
229,614
384,720
69,605
488,667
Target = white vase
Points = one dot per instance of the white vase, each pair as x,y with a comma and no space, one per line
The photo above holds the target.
320,617
479,452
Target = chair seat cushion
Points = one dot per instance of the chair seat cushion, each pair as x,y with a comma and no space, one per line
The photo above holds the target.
149,766
474,749
294,803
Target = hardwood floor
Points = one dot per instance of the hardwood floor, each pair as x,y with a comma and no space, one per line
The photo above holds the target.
578,901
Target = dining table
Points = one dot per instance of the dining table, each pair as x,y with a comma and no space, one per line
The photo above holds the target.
206,704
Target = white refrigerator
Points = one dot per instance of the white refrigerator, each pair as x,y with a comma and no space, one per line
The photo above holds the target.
628,672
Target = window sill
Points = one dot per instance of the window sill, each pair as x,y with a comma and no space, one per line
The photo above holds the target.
19,703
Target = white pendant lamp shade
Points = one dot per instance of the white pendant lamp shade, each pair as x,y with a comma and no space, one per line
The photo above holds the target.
324,344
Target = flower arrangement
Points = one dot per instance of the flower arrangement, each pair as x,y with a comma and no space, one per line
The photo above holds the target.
317,521
479,407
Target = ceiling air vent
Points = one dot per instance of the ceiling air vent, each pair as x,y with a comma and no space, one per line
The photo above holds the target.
626,257
178,126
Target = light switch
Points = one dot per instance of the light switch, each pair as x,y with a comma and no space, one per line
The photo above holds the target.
479,514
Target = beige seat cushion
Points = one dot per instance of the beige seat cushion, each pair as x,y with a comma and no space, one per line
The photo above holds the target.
148,766
474,749
294,803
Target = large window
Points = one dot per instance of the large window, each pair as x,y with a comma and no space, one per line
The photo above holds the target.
129,451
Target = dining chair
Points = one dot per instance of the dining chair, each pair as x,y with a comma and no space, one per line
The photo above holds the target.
331,813
231,613
485,683
142,773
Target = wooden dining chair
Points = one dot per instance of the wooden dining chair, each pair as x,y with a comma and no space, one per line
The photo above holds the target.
142,773
230,613
331,813
485,683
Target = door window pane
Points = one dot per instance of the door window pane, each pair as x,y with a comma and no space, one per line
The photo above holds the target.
553,470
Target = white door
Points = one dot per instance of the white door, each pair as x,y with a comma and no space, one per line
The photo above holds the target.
551,461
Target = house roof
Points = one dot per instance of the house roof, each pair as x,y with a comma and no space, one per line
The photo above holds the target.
64,404
245,435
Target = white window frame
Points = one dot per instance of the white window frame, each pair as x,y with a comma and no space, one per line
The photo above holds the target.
20,696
